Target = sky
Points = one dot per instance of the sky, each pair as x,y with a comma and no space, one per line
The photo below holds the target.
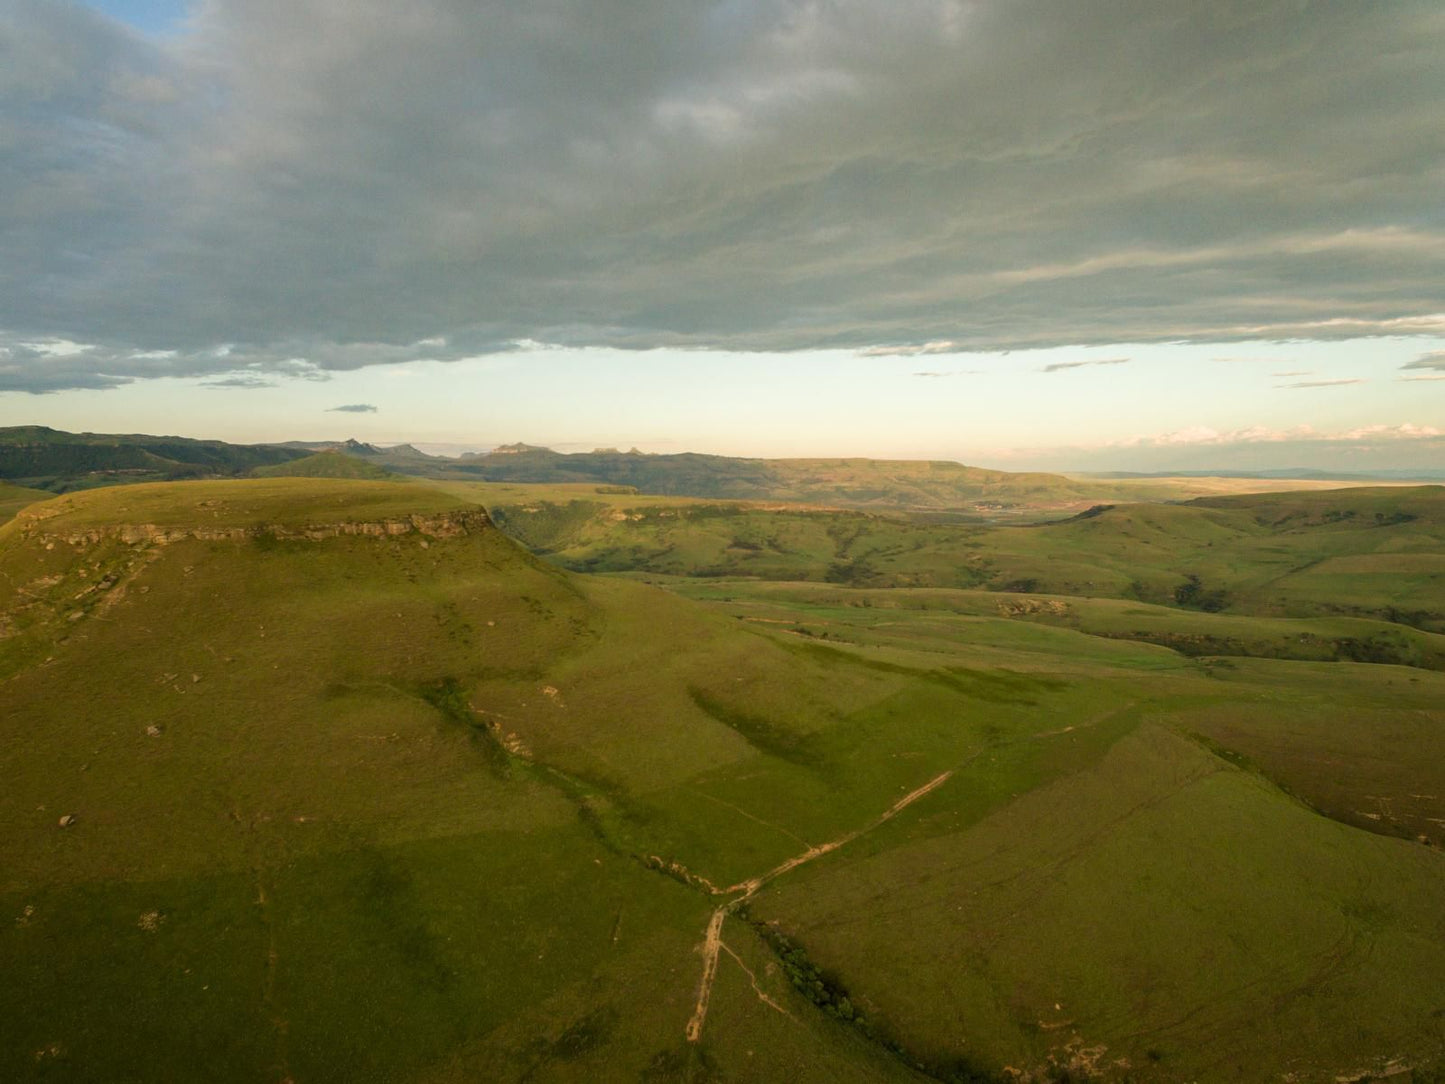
1031,234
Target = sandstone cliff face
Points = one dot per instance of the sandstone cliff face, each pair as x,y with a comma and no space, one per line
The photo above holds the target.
442,525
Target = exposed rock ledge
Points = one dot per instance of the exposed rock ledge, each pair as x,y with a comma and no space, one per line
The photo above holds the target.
443,525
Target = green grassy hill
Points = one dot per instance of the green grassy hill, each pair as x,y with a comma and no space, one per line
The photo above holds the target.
319,779
1375,552
325,465
345,762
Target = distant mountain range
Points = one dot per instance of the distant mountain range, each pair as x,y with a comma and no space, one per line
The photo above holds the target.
57,461
855,482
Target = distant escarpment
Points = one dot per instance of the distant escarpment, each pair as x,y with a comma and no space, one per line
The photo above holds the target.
53,460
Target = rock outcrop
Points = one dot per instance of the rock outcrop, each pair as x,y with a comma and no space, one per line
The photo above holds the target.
441,525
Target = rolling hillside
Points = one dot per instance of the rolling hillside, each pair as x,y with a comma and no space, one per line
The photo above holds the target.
1371,553
317,779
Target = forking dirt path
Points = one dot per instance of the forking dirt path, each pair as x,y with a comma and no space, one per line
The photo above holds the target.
713,945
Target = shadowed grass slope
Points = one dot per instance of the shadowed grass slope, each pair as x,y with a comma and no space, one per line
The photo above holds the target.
14,498
58,461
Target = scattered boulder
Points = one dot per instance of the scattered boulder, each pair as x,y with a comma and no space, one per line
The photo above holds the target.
67,820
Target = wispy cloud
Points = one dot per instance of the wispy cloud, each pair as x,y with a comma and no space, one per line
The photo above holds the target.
1321,383
1060,366
1433,360
952,372
1261,434
1292,372
1405,431
910,350
1250,360
353,408
1426,376
240,382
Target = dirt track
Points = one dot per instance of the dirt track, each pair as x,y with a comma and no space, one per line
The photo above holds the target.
712,944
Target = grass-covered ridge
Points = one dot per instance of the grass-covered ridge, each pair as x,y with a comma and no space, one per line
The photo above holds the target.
286,502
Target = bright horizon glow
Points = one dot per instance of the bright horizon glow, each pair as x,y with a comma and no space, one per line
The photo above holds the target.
1349,406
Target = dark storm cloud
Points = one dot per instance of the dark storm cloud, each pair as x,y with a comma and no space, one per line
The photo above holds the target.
49,367
353,408
340,183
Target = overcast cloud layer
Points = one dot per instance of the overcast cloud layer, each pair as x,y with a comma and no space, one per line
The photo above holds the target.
301,186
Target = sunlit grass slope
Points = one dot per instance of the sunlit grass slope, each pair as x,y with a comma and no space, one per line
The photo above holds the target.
1162,916
325,465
